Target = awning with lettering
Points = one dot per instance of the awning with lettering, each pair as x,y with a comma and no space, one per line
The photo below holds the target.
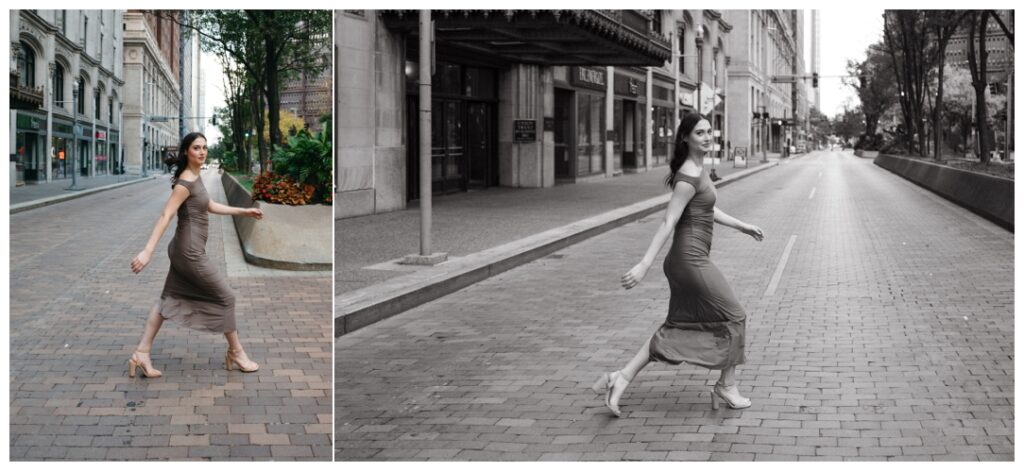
544,37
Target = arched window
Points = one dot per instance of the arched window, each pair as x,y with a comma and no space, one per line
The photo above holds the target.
96,105
58,85
26,66
81,95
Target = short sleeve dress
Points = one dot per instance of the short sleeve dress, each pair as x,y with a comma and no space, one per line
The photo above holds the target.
195,294
706,325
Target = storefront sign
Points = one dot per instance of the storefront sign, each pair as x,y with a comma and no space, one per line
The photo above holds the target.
549,124
686,99
628,86
101,135
524,130
589,77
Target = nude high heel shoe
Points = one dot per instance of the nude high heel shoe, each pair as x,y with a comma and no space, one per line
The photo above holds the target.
231,359
134,364
607,383
730,395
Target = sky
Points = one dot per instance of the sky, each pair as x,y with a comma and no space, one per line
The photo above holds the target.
845,34
214,82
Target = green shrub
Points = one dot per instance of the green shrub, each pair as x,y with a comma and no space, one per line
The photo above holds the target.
307,159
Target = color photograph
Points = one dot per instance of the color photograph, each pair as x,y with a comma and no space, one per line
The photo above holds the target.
170,218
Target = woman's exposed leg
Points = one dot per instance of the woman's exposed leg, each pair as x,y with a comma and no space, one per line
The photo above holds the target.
236,354
728,377
141,354
626,374
726,389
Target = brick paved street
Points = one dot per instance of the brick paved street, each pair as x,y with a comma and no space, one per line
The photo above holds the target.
76,315
889,336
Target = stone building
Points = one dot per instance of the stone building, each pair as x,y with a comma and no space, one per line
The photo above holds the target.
66,93
520,99
767,88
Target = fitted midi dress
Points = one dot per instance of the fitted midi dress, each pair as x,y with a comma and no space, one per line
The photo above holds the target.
706,325
195,293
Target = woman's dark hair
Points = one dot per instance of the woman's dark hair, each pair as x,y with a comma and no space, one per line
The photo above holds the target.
182,161
682,151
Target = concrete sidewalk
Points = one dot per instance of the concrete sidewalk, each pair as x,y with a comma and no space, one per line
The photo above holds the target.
484,233
32,196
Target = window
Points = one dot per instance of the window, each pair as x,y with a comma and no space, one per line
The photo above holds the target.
62,21
110,110
96,104
26,66
58,85
81,95
656,22
85,33
682,41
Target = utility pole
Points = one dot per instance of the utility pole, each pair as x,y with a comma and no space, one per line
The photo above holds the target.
425,256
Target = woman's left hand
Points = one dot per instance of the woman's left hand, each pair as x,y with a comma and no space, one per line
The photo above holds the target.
753,231
255,213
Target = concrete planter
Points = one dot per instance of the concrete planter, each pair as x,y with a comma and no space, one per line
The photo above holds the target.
989,196
288,237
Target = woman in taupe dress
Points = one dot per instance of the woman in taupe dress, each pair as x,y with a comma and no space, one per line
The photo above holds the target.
194,294
705,325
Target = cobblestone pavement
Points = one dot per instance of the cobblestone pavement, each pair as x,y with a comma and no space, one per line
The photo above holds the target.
76,315
888,336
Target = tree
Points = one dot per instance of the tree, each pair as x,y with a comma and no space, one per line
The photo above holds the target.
911,51
820,127
943,24
269,46
849,124
958,111
289,124
875,86
977,58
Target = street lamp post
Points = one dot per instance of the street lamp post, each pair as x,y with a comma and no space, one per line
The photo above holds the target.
74,159
145,119
764,133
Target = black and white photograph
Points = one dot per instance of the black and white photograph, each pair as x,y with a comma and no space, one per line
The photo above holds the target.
674,235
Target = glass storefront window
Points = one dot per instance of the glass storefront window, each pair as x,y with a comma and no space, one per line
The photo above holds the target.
589,134
619,135
663,134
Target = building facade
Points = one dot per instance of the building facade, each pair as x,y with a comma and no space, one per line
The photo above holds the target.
766,80
66,93
308,96
152,61
599,95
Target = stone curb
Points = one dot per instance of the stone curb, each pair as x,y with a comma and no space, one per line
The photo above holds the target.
362,307
35,204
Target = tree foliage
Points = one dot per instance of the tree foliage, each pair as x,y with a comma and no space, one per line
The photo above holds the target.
875,84
269,47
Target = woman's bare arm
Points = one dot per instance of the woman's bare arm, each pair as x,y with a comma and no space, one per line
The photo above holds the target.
178,196
217,208
682,193
728,221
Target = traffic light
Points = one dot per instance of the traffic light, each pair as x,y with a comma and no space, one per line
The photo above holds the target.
814,80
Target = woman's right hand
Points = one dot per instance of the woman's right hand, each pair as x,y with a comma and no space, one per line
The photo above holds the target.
140,261
635,275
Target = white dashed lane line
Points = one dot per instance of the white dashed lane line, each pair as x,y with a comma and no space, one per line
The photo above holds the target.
774,283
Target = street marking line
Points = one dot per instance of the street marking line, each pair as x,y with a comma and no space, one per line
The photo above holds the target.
774,283
812,193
